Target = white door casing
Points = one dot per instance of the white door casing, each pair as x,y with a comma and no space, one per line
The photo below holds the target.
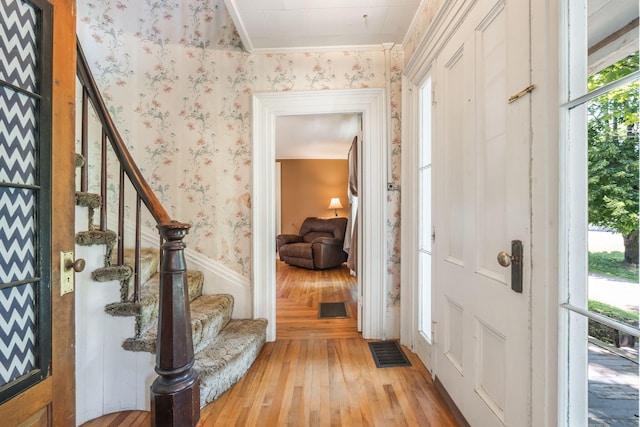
482,142
371,104
278,198
355,211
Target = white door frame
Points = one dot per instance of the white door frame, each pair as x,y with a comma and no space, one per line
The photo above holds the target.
372,272
278,198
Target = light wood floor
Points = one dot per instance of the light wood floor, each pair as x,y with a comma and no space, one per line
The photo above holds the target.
319,372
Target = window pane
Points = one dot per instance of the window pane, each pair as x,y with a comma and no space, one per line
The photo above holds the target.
425,294
613,377
17,332
612,33
17,234
425,123
17,137
613,160
425,209
18,54
625,66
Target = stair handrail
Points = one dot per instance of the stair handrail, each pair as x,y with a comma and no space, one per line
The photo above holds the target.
147,195
175,393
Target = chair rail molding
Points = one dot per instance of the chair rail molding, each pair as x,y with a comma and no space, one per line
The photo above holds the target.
371,103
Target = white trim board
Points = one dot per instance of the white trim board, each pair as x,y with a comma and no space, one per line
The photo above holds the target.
371,103
409,239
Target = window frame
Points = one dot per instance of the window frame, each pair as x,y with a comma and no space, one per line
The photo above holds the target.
573,217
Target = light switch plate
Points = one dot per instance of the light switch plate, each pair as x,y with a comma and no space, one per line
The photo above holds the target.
66,273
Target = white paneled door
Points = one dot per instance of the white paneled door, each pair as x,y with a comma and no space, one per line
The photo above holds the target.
482,143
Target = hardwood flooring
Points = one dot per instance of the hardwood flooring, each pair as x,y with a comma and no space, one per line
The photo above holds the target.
319,372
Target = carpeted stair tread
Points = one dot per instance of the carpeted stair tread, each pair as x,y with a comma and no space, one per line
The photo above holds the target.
88,200
149,260
146,311
96,237
114,272
228,357
209,314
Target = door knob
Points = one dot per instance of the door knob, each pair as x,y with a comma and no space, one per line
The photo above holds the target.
515,261
69,265
77,265
504,259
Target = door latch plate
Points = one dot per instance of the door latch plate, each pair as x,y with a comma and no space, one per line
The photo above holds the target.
66,273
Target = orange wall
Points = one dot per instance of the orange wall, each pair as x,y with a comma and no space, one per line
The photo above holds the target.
307,187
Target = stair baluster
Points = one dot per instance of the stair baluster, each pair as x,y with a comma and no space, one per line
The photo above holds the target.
84,170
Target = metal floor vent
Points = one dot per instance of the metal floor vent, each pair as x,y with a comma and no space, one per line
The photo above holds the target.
388,354
332,310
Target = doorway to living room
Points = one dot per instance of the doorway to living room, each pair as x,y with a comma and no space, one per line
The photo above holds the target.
316,194
370,103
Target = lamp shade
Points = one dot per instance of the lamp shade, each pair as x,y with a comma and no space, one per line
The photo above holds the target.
335,203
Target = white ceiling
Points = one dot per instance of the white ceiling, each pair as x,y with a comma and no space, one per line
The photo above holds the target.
315,136
320,24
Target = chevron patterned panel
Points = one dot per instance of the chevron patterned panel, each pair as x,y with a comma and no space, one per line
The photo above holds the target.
17,137
17,332
17,234
18,44
20,344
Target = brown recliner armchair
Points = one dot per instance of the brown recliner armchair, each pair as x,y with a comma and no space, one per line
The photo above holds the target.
317,246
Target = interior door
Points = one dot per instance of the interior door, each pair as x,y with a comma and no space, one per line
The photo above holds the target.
37,85
483,204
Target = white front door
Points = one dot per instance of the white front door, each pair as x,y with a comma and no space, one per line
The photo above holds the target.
482,203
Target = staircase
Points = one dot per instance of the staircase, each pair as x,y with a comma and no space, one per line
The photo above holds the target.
153,292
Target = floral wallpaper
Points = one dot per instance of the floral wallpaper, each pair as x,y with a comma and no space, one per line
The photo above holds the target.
425,17
178,85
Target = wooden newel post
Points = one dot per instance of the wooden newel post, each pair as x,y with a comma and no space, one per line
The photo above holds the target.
175,393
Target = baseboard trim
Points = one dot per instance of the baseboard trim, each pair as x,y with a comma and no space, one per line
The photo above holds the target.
203,262
219,269
462,422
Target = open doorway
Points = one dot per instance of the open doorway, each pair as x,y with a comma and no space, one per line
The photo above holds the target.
370,103
316,198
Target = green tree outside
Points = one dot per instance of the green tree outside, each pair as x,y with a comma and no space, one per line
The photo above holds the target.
613,156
